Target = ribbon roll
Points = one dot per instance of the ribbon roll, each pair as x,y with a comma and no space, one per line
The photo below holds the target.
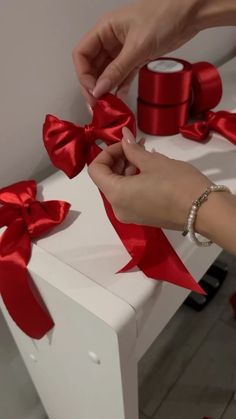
206,88
170,90
164,96
71,146
25,219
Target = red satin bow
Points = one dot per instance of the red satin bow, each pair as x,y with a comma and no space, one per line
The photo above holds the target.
26,219
71,146
222,122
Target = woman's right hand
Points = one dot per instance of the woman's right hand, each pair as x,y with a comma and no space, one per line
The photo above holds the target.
162,193
109,56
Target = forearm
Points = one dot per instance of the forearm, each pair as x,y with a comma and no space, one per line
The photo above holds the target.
216,13
217,220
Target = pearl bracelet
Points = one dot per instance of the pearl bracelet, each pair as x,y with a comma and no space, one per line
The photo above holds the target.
193,214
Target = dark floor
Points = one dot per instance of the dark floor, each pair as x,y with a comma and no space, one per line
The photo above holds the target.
190,370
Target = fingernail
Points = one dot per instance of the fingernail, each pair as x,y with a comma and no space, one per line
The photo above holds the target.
142,142
89,108
119,166
130,170
128,136
122,94
103,86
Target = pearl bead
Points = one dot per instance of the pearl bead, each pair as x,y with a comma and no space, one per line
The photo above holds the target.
194,210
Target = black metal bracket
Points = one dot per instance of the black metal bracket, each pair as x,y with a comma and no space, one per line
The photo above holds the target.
211,283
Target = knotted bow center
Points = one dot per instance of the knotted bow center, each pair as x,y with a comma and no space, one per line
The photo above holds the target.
26,211
89,133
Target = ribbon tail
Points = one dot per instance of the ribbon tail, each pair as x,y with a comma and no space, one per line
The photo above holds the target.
161,262
23,301
152,253
131,235
19,293
130,265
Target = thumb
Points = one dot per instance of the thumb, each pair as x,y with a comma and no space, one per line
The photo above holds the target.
128,60
134,152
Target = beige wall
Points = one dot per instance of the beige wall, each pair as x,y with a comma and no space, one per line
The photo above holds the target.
37,76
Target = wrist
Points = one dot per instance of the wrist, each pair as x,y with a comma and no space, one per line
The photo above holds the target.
211,13
216,220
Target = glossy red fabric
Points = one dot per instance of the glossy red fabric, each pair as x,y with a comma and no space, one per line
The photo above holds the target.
162,120
222,122
164,99
71,146
165,89
206,88
25,219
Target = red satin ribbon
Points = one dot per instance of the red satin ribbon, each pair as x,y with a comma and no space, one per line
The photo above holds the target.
71,146
164,99
162,120
206,88
26,219
222,122
166,89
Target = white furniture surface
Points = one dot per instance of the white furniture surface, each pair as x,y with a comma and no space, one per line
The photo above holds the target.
86,367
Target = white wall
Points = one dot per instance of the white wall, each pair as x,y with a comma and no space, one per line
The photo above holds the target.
37,75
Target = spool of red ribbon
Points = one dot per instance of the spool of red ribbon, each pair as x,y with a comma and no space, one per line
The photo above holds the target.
164,96
170,88
206,88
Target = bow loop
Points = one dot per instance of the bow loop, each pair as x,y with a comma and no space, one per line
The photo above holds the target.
19,194
66,145
71,147
198,131
110,115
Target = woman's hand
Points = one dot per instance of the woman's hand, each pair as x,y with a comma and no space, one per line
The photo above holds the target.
160,195
109,56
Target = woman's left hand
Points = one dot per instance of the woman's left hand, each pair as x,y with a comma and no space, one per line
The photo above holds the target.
160,195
